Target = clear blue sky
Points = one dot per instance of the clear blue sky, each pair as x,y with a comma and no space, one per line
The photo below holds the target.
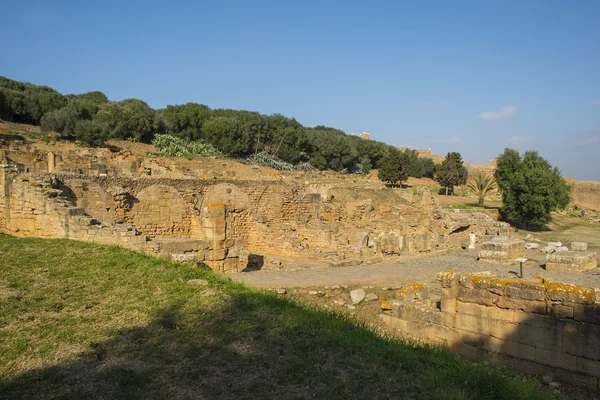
467,76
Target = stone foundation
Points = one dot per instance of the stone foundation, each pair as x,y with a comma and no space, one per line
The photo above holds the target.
530,326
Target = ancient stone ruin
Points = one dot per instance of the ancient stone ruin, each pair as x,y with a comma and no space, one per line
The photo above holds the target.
536,327
175,208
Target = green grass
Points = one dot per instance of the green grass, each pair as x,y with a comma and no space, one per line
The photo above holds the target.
78,320
471,206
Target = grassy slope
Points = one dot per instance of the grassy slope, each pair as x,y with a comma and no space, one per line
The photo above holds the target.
80,320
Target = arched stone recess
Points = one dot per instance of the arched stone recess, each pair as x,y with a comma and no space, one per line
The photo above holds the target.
226,193
160,211
236,204
90,196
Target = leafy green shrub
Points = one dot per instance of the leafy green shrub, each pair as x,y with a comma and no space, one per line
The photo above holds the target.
531,188
171,146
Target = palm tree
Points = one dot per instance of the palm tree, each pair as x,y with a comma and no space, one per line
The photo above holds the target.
482,186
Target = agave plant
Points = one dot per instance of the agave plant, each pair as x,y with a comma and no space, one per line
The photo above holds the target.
482,186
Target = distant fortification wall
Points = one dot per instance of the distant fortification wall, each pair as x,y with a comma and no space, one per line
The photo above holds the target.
586,194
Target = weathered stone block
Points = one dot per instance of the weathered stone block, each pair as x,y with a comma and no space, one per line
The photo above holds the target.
478,296
448,300
589,367
579,246
418,291
540,337
587,313
571,261
584,343
186,257
525,290
510,347
568,293
555,358
506,250
561,311
528,306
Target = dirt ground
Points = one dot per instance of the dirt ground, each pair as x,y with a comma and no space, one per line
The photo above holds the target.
330,286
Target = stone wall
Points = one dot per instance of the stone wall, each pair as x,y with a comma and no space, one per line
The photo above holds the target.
164,199
586,194
35,208
535,327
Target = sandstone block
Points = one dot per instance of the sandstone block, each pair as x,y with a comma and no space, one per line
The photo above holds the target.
557,359
505,250
531,246
186,257
589,367
528,306
539,337
579,246
571,261
587,313
478,296
568,293
561,311
586,343
449,300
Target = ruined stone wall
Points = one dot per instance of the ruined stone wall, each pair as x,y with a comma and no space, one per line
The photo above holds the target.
535,327
270,217
33,208
280,218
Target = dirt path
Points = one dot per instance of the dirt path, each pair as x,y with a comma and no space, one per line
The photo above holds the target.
421,269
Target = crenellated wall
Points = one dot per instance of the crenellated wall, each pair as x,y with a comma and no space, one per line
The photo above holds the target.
535,327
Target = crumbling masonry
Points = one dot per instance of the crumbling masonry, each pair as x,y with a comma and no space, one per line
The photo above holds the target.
170,208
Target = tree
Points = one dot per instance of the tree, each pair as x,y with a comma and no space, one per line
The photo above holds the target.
422,168
90,133
185,121
395,167
130,119
506,165
451,171
482,186
228,135
531,188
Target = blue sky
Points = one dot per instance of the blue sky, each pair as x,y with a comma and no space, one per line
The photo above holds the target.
467,76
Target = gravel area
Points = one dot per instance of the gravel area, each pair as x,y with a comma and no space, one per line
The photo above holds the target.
407,270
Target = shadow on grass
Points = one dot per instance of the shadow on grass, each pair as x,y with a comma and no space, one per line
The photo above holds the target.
214,340
255,345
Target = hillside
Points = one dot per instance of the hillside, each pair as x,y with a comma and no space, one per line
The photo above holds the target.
80,320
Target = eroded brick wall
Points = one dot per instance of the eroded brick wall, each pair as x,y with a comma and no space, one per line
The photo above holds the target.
532,326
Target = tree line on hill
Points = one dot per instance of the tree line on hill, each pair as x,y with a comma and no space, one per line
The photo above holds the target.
530,186
91,119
